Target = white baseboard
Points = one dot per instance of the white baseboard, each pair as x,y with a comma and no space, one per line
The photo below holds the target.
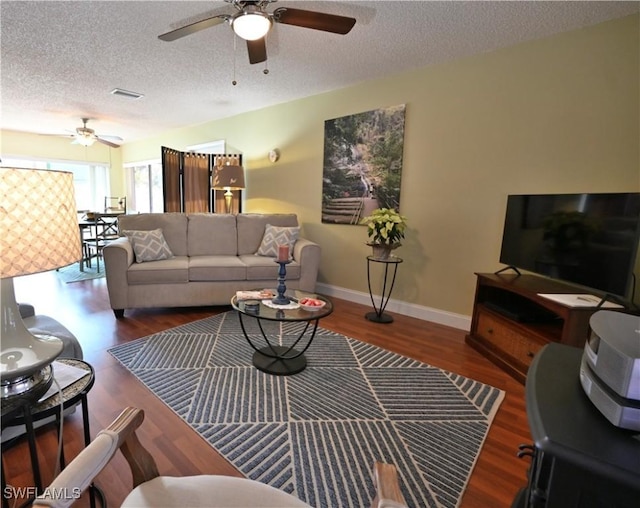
442,317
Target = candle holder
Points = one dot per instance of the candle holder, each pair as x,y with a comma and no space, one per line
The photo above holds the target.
282,276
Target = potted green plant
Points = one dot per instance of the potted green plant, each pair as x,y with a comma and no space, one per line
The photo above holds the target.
385,228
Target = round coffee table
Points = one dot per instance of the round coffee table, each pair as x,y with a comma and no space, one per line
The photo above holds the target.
274,358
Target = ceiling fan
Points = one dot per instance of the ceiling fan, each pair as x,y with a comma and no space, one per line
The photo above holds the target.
87,137
252,23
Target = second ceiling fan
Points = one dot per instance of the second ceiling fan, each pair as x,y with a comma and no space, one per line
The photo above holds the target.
252,23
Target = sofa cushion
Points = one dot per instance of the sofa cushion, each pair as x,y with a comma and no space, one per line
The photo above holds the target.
149,245
275,236
166,271
173,225
215,268
265,268
251,228
212,234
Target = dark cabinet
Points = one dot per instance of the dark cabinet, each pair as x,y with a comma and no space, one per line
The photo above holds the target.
578,458
511,323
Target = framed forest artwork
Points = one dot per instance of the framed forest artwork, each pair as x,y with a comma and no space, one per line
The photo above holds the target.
362,166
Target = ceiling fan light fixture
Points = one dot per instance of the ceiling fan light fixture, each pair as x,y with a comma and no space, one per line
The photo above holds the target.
85,140
251,24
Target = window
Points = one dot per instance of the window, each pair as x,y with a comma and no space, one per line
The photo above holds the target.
144,186
209,147
91,182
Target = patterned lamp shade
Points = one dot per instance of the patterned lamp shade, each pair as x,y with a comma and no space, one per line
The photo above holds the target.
39,225
38,220
229,177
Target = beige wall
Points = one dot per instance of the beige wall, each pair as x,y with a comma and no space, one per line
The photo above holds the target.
554,115
21,145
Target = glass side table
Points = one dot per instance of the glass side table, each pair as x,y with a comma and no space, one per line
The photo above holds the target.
27,412
276,359
390,268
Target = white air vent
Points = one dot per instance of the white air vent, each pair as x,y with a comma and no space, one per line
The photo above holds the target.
126,93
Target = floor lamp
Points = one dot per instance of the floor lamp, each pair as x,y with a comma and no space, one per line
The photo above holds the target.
39,225
228,178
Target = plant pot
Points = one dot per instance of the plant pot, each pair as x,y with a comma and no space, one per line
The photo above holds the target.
382,251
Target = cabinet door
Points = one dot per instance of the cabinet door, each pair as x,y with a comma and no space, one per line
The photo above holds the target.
506,338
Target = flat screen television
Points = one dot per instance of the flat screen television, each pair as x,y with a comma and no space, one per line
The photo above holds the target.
590,240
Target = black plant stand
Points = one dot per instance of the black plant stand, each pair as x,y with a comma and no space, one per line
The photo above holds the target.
378,316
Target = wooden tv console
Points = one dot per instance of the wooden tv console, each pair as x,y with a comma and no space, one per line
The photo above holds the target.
511,323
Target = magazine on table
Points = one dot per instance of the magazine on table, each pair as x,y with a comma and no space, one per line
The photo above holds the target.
65,375
580,300
262,294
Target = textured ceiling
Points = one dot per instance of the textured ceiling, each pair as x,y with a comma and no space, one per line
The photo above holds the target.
60,60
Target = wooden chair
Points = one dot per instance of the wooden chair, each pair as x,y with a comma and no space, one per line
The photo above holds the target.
102,228
94,242
153,490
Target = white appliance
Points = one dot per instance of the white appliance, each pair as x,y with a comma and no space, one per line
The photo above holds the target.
610,369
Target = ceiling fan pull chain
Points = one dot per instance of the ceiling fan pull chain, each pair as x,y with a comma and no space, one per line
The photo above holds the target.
266,69
235,45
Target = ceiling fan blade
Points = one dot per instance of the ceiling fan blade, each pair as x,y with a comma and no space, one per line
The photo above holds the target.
193,28
257,50
316,20
58,135
114,139
105,142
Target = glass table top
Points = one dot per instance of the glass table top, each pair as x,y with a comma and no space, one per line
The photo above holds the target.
263,309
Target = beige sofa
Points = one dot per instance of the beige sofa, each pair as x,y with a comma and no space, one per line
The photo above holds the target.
214,255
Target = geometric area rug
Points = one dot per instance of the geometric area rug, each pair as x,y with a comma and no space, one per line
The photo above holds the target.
72,273
317,434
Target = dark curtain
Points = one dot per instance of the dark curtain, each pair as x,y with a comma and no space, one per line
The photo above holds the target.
186,181
171,169
197,194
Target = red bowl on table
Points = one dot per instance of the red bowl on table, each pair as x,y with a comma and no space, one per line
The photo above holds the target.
311,304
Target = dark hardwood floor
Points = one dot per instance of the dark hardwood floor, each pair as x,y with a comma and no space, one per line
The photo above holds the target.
83,308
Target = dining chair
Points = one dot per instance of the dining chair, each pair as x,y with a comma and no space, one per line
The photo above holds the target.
102,230
115,204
